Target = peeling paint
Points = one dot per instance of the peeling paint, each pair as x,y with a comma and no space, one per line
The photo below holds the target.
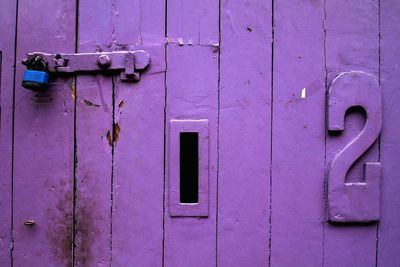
109,139
73,91
90,104
303,92
116,132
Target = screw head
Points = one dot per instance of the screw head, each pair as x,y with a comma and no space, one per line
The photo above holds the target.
29,223
104,61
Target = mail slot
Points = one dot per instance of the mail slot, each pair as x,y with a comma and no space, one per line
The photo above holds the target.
188,174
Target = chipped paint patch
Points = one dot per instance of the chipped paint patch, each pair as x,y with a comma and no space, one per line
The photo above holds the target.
90,104
303,92
73,90
116,132
109,139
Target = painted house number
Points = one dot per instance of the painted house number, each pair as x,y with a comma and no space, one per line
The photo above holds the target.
360,201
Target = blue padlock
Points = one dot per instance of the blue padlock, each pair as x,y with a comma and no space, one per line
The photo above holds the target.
35,80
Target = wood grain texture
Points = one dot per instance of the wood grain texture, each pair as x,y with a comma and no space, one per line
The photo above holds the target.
352,44
7,48
137,230
43,147
389,234
244,133
298,134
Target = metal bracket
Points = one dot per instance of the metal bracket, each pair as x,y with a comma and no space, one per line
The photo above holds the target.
130,63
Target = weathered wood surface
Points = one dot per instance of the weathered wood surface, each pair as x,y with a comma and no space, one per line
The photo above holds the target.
244,133
192,93
388,236
298,134
93,121
8,14
351,44
137,216
88,160
43,142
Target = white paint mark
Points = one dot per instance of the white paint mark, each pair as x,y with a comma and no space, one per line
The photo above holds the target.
303,92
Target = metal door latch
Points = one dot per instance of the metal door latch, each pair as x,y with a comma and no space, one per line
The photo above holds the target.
129,63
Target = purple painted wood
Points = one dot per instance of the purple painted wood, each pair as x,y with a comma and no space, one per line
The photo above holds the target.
137,216
352,44
192,93
389,233
7,48
354,201
124,167
43,148
298,134
244,133
94,123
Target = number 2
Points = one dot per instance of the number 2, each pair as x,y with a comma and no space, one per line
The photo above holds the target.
354,202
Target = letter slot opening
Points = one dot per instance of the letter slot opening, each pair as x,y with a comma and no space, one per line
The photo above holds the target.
189,167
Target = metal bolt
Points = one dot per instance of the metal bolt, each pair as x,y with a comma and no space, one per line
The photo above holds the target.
29,222
104,61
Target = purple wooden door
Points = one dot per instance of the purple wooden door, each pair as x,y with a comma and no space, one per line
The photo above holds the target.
263,133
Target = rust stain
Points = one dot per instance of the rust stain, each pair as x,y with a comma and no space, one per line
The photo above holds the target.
90,104
116,132
86,230
121,104
59,230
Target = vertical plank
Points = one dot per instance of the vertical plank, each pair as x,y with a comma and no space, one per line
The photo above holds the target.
94,118
245,133
389,233
137,226
43,146
351,44
192,93
7,49
298,134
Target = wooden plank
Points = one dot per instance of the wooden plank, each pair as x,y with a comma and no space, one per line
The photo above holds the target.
7,49
192,93
137,229
352,44
94,122
244,133
389,233
43,148
298,134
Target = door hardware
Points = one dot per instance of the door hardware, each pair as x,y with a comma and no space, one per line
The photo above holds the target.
39,65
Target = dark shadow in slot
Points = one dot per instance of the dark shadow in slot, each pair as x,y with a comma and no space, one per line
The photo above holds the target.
189,167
